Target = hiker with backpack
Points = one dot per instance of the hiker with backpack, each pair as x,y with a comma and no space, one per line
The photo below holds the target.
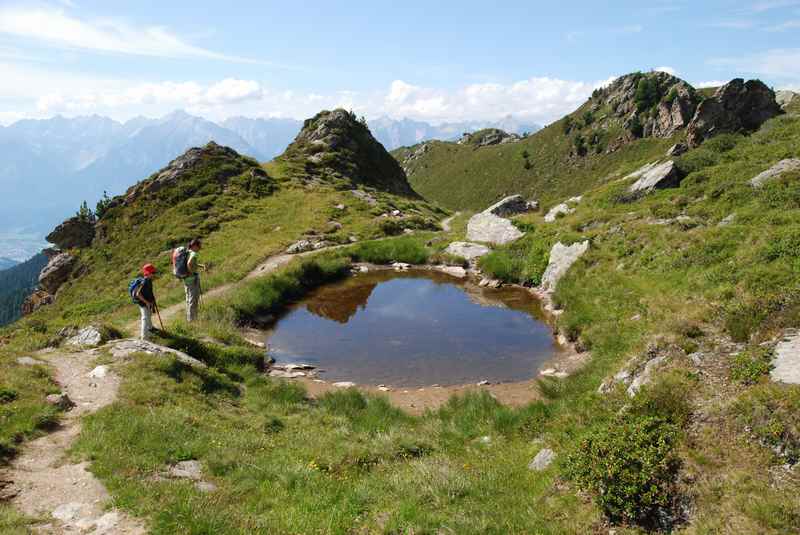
141,291
185,266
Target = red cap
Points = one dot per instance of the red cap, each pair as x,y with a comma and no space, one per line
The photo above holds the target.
148,269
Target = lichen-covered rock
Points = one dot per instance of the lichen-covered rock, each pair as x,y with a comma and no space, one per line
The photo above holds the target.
90,336
664,175
489,228
466,250
126,348
783,166
558,210
75,232
56,272
736,106
543,459
561,259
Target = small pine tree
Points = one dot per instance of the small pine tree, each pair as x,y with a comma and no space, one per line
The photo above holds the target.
85,213
102,205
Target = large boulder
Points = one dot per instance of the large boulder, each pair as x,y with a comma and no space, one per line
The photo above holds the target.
565,208
736,106
511,205
56,272
90,336
75,232
663,175
783,166
489,228
561,259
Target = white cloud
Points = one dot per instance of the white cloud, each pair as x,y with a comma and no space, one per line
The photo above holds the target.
786,25
780,63
709,83
733,24
668,70
768,5
58,28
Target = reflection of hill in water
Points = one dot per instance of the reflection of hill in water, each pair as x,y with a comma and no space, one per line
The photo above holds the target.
340,303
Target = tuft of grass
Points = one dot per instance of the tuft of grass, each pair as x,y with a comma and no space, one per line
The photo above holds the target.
408,249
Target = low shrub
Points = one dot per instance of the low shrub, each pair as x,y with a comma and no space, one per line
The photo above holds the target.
749,366
772,413
629,465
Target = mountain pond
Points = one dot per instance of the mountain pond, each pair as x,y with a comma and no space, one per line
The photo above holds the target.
414,328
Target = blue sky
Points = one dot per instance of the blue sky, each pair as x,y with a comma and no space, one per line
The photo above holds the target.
433,61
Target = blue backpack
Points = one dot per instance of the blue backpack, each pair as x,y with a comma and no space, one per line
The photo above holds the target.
133,288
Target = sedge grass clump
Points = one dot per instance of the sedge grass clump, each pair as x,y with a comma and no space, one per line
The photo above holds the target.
408,249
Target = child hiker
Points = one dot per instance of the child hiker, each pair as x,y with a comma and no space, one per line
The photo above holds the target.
141,290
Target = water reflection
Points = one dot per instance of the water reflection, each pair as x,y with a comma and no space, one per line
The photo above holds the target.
414,328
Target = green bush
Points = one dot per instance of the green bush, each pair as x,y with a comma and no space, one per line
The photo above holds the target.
7,395
629,466
749,366
772,413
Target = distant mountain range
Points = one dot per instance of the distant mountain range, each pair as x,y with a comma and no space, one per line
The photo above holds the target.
48,166
6,263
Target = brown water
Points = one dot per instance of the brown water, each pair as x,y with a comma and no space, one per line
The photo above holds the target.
414,328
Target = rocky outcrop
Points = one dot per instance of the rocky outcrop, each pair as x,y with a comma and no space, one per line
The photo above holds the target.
334,146
783,166
677,149
218,163
488,137
35,301
75,232
652,177
653,104
56,272
511,205
786,99
466,250
306,245
490,228
736,106
561,259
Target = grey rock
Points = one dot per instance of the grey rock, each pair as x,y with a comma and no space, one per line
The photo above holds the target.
69,512
87,337
783,166
646,375
511,205
334,226
736,106
28,361
543,459
454,271
205,486
786,360
300,247
490,228
128,347
344,384
561,259
75,232
466,250
730,218
61,401
187,470
99,372
664,175
56,272
556,211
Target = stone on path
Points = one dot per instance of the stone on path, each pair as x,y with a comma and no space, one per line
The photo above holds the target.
492,229
126,348
99,372
466,250
543,459
561,259
787,360
783,166
89,336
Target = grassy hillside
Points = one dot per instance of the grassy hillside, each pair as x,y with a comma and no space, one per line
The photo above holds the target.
709,446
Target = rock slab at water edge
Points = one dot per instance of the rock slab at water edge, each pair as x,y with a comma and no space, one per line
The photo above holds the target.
466,250
561,259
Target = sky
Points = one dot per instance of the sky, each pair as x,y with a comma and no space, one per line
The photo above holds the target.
427,60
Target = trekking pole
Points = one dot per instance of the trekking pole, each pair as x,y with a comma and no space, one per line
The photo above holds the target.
158,313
